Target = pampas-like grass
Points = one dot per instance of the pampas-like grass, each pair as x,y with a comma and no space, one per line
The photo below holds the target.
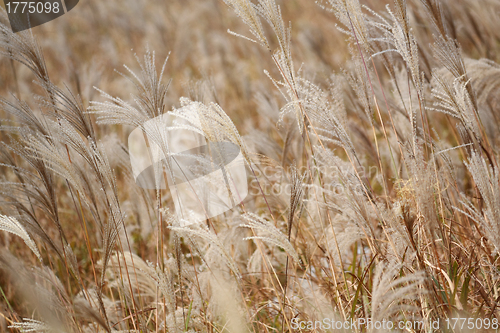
10,224
371,153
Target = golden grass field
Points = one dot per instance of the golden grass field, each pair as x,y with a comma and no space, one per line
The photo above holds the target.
369,135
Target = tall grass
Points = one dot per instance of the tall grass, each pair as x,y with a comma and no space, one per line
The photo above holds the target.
371,151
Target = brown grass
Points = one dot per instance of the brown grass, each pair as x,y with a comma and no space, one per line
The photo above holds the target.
370,135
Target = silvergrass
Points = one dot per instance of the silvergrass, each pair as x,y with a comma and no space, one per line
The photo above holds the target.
373,166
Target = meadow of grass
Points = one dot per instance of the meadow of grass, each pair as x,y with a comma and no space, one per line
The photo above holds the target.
369,131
